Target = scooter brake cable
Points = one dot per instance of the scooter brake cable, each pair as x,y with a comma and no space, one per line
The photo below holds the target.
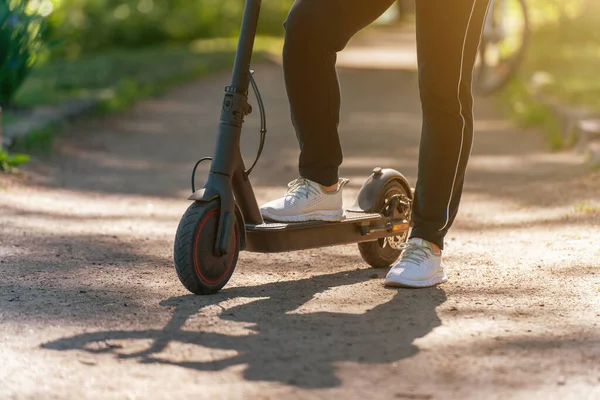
194,172
263,121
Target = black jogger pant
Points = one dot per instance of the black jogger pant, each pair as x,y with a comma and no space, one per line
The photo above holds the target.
448,34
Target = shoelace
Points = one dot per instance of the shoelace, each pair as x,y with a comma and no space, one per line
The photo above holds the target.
300,187
413,253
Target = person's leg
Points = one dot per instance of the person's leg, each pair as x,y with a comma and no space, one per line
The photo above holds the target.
315,31
448,34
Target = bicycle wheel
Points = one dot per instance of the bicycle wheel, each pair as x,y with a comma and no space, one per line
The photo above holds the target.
503,45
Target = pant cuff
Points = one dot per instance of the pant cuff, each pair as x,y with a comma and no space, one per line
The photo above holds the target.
435,237
326,177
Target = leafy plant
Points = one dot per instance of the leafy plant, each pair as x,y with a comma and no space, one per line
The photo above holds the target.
9,161
21,33
38,140
88,26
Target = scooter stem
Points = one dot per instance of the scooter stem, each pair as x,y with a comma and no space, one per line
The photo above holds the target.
227,160
241,65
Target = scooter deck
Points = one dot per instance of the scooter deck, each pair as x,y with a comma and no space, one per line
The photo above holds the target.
349,217
273,237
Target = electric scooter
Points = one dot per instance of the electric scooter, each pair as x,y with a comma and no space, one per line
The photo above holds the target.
225,219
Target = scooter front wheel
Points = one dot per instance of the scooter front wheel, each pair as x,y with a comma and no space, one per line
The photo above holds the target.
198,268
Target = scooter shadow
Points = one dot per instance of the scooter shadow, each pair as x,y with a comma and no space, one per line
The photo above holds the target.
299,349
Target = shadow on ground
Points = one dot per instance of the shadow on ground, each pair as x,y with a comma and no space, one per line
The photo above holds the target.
278,344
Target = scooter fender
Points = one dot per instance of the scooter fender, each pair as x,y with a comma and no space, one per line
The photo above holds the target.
206,195
372,189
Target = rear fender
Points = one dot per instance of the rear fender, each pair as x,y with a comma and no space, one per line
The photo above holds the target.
372,189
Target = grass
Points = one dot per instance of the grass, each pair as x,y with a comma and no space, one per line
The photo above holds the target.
8,117
119,78
528,111
568,59
10,161
119,73
38,141
562,64
587,208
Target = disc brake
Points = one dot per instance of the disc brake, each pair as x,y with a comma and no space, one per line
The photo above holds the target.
398,206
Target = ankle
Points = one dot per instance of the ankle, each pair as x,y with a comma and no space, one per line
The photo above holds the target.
435,248
432,246
331,188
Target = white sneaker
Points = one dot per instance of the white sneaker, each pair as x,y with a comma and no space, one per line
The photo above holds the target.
306,200
418,266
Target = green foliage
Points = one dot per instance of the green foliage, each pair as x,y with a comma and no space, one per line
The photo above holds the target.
561,65
119,78
38,141
7,118
123,75
21,34
569,55
529,111
197,58
587,208
565,50
10,161
84,26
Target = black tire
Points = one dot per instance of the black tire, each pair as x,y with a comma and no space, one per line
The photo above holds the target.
198,269
482,83
378,253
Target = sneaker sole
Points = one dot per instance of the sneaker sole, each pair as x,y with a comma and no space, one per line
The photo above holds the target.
327,216
436,280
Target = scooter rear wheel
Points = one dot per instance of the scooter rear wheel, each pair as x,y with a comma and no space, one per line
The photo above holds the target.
382,253
198,268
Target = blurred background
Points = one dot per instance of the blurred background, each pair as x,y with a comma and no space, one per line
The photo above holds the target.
121,50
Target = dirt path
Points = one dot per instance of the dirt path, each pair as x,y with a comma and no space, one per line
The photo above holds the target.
90,306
